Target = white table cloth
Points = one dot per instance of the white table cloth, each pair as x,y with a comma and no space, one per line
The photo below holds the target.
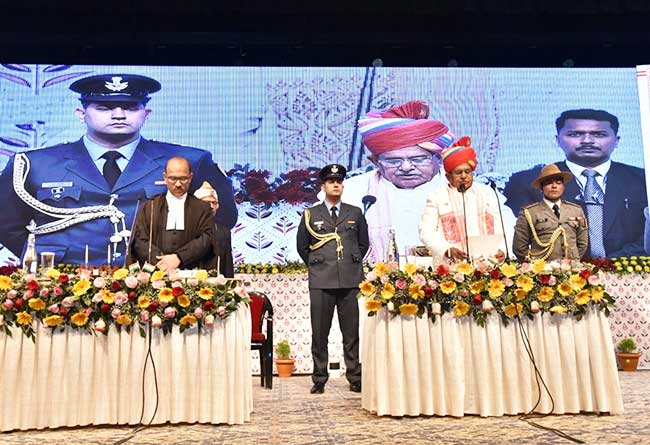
74,378
454,367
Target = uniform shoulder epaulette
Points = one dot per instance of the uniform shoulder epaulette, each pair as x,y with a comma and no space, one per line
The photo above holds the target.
569,203
530,206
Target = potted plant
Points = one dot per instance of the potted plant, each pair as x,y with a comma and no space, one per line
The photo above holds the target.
627,359
283,360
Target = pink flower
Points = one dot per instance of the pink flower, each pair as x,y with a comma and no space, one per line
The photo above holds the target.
121,298
459,277
534,307
156,322
89,310
170,312
44,292
100,325
436,309
594,280
131,282
97,298
177,284
419,280
384,279
174,276
7,304
508,282
85,274
28,294
99,282
54,308
67,302
482,267
566,265
29,277
371,276
209,320
433,284
487,306
221,311
221,280
144,316
552,281
58,291
463,293
12,294
158,284
241,291
143,277
401,283
554,265
198,312
115,313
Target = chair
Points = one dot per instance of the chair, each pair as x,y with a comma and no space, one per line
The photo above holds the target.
261,309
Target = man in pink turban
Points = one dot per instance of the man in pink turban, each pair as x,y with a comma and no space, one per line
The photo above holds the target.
405,147
463,203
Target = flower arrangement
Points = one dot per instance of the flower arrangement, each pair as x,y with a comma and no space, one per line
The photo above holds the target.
94,300
291,267
632,264
295,187
485,289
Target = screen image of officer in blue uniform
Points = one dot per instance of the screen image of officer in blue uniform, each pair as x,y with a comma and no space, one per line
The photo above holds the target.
112,162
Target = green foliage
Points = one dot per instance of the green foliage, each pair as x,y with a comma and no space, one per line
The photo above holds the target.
626,345
283,350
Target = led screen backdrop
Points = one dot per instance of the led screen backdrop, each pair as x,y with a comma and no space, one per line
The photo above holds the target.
286,120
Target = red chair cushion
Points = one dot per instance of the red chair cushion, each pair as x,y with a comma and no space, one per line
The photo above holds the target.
257,308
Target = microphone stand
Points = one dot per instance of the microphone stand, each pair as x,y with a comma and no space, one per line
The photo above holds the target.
503,227
462,189
128,243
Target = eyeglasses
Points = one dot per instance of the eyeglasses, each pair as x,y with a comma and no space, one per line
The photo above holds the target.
397,162
175,179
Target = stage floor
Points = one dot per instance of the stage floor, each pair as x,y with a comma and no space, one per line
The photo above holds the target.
290,415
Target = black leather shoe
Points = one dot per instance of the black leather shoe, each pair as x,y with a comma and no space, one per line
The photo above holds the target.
318,388
355,387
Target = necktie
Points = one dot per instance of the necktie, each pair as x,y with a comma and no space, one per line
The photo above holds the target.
334,218
111,170
594,199
556,210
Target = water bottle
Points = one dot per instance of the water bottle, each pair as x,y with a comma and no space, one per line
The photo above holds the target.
30,259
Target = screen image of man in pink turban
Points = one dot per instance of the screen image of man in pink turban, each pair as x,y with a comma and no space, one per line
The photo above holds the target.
462,202
405,147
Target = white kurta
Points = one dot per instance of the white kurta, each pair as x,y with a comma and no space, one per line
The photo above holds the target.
442,222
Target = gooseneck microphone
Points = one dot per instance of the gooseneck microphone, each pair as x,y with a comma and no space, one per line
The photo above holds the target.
367,202
503,227
462,188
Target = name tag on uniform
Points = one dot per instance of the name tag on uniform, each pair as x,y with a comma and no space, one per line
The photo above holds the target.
351,222
161,182
49,185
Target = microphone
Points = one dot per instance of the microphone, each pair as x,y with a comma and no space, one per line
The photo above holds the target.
367,202
130,241
503,227
462,188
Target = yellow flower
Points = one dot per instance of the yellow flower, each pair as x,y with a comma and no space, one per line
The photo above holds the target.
524,282
166,295
410,268
558,309
583,297
206,293
108,297
120,274
183,300
79,319
53,274
565,288
124,320
465,268
388,291
520,294
509,270
53,320
367,288
477,286
539,266
23,318
416,291
512,310
275,270
6,283
577,282
143,302
81,287
157,275
201,274
381,269
408,309
373,305
546,294
188,320
496,288
629,269
460,308
597,294
37,304
447,287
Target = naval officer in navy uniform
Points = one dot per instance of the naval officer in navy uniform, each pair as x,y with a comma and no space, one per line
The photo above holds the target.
111,159
332,240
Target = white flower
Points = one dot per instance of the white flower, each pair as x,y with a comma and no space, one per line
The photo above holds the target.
390,306
209,320
534,306
156,322
100,325
436,309
487,306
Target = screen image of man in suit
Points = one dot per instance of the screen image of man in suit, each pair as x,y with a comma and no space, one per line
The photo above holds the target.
174,229
612,194
111,161
332,240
